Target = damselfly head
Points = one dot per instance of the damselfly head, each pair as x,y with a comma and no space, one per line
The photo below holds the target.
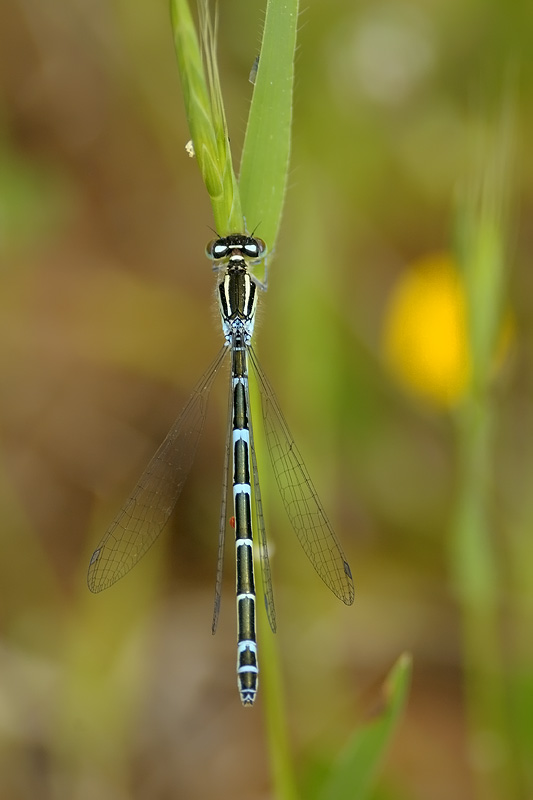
237,244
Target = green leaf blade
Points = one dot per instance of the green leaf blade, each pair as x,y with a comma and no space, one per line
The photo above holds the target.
356,770
205,115
266,151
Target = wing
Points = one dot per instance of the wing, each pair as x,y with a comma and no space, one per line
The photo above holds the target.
261,537
266,575
146,513
223,519
300,499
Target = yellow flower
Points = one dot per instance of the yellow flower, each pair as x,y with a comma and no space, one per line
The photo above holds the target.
425,340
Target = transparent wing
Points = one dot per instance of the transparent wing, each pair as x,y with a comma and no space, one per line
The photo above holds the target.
145,514
266,575
300,499
262,540
223,518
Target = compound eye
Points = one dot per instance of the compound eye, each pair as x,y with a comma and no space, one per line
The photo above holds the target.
216,249
255,248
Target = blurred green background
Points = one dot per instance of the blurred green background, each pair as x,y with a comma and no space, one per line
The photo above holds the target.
107,321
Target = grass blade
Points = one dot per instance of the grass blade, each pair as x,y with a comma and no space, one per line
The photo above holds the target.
266,151
355,772
205,112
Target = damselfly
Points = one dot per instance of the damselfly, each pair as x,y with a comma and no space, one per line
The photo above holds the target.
146,512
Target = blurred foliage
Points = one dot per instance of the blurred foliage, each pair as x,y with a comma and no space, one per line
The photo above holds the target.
106,325
355,772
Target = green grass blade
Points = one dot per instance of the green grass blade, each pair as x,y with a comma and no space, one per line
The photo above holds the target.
265,156
205,112
274,701
478,577
356,770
